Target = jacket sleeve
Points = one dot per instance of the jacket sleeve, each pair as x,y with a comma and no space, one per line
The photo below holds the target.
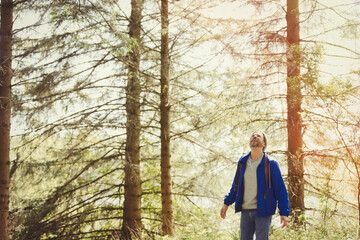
231,196
281,193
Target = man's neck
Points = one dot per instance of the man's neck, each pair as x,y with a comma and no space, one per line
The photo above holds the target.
256,152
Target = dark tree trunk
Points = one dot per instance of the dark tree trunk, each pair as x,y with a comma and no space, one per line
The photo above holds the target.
166,196
5,112
132,204
294,121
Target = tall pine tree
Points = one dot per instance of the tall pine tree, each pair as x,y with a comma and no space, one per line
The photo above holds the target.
294,99
5,111
132,203
166,192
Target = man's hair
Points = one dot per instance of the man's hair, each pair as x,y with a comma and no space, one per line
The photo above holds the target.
264,135
265,140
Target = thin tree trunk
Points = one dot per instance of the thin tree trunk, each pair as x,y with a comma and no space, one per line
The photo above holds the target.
358,196
132,204
166,195
294,121
5,112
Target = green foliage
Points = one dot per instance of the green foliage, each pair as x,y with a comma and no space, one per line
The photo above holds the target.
310,61
336,231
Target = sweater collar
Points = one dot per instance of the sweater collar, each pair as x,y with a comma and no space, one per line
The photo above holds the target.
246,157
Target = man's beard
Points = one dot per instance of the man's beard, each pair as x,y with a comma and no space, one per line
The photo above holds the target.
255,144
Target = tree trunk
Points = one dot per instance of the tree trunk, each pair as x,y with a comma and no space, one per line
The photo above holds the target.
132,204
358,202
167,212
294,121
5,112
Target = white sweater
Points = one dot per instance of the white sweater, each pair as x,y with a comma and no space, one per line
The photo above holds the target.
250,183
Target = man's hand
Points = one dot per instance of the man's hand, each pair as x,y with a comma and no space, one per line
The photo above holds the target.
223,211
284,220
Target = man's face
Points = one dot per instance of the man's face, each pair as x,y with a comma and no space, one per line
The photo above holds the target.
257,140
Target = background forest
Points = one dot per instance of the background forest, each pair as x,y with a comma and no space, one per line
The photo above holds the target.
128,117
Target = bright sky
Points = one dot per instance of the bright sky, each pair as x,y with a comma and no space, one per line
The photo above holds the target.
237,10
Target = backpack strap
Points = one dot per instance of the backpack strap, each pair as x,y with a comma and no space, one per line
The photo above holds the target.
267,175
267,178
237,176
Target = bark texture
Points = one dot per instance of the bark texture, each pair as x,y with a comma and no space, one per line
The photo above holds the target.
294,121
132,225
166,194
5,112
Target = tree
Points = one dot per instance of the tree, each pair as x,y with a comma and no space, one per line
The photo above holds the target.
61,76
132,204
166,194
5,112
294,99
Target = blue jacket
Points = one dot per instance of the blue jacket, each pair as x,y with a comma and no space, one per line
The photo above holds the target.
268,198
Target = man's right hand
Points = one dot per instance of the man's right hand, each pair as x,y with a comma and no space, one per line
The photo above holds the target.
223,211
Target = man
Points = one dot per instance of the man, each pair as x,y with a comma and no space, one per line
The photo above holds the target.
258,188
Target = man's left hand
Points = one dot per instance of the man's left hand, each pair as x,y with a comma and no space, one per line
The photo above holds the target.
284,220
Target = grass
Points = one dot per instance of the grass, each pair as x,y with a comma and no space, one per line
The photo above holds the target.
340,230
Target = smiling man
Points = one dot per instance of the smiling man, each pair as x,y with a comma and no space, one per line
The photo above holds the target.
257,190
